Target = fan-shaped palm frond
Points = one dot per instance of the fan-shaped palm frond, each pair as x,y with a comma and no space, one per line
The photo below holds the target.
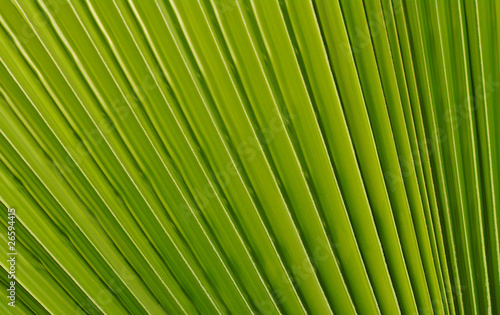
250,156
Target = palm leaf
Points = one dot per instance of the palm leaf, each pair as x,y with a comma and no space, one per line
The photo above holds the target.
250,156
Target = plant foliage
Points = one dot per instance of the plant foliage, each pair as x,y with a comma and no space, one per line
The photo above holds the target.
251,156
